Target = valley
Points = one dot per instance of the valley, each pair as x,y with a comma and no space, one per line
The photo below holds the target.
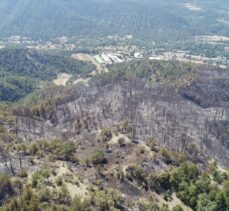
110,50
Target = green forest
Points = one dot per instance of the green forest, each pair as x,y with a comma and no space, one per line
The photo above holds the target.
22,71
151,71
161,20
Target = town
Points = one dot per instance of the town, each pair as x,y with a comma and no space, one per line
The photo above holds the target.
108,53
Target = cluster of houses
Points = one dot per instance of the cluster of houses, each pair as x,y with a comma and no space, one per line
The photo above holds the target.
115,58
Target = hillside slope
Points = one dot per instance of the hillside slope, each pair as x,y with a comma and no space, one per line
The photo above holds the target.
149,19
146,135
176,114
22,71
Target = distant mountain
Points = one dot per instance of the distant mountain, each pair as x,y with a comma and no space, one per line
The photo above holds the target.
154,19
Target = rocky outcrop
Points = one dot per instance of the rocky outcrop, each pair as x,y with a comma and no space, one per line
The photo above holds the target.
179,118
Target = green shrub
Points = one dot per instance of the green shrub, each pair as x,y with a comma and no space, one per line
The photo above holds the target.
177,208
105,135
33,149
98,157
27,201
59,181
121,142
80,205
63,196
23,174
44,195
106,200
2,129
39,177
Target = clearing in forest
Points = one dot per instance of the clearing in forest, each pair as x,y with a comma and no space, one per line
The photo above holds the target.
62,79
87,58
